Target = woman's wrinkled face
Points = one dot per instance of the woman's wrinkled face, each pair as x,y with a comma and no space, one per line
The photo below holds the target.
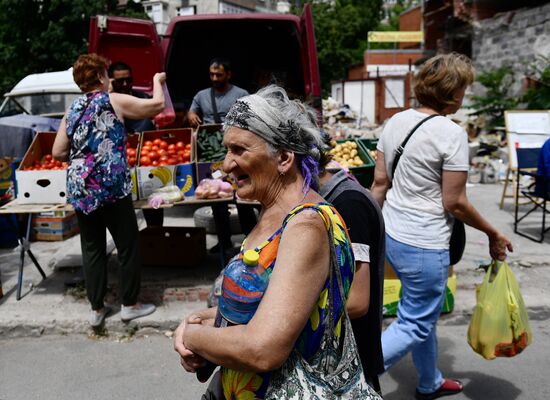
250,163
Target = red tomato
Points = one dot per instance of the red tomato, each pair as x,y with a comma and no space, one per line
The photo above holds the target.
148,143
172,147
153,155
157,141
180,160
188,147
171,152
180,145
172,161
155,148
146,148
154,163
131,161
163,145
163,152
144,161
164,158
144,152
186,158
131,152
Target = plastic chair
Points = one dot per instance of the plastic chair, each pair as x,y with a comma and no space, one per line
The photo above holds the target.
537,194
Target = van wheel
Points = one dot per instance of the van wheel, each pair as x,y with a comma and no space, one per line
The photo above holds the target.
204,218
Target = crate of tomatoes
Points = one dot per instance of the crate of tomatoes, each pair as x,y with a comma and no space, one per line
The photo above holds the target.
40,178
163,158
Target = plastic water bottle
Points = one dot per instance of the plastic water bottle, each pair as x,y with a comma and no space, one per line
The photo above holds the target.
243,286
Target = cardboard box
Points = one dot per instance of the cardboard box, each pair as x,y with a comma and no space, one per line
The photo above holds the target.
151,178
392,292
205,169
40,187
172,246
55,228
147,179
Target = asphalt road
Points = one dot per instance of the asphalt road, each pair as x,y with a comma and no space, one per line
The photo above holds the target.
78,367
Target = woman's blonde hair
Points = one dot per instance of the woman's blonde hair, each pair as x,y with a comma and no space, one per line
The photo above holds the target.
437,81
87,69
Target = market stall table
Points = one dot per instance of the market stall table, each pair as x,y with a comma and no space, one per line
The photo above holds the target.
14,207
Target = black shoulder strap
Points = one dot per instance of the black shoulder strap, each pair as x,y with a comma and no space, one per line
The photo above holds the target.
217,118
399,150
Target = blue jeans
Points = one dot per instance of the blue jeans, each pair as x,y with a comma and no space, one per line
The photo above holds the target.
423,274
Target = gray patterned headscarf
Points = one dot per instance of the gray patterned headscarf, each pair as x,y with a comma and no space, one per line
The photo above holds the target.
283,123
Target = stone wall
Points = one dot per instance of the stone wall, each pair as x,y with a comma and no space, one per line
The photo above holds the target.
513,38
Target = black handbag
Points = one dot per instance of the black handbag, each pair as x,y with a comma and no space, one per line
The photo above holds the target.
457,242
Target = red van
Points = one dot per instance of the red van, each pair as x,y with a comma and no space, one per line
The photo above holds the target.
260,46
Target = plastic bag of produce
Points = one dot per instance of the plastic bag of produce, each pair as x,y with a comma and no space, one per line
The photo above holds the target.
499,326
213,189
165,195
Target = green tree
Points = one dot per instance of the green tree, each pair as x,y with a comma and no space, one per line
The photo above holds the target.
537,96
498,96
48,35
341,28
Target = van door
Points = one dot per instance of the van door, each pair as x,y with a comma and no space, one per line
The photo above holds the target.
132,41
312,80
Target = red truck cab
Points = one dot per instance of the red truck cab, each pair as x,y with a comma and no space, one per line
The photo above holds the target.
261,47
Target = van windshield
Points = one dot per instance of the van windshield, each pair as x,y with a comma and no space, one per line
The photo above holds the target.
46,104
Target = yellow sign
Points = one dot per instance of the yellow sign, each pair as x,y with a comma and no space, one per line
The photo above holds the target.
396,36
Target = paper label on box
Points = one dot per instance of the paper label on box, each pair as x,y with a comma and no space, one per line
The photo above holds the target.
151,178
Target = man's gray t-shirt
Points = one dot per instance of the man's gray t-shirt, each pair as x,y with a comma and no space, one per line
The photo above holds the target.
202,103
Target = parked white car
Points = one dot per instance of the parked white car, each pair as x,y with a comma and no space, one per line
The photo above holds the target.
47,94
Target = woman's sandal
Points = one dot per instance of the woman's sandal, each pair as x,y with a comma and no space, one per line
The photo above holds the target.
447,388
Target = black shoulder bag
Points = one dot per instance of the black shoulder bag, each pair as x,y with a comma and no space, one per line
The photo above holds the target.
217,118
458,235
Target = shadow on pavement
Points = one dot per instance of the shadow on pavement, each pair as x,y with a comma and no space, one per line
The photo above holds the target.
477,385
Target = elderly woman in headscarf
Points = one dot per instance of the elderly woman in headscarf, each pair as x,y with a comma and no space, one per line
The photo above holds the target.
274,149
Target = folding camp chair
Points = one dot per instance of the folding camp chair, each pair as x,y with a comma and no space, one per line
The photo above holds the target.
537,193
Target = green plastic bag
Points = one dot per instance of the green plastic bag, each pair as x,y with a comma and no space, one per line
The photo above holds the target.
499,326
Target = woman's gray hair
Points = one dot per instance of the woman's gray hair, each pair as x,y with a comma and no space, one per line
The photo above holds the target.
281,122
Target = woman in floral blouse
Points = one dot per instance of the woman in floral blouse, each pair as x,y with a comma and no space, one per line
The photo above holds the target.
93,140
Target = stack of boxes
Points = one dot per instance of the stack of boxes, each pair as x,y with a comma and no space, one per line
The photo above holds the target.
54,225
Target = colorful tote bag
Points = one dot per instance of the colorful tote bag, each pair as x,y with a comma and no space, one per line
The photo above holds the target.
335,371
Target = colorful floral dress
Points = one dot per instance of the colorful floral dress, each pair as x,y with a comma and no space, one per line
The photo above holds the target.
98,168
250,385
